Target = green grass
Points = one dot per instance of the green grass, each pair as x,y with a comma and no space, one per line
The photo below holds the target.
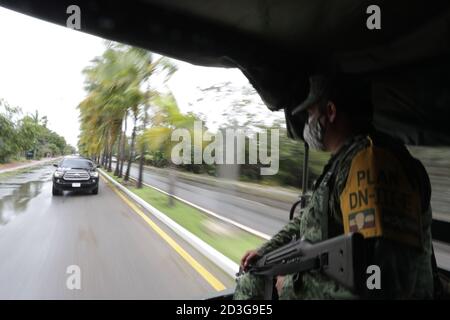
232,242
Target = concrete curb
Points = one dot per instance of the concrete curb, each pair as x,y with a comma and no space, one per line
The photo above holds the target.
223,262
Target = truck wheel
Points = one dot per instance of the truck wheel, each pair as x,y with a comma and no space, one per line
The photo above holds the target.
95,191
56,192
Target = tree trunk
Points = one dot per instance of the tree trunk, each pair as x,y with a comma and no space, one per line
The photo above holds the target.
141,168
110,160
130,158
104,156
123,146
110,152
141,160
172,183
119,154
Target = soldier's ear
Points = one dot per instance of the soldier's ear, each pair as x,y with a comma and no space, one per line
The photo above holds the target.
331,111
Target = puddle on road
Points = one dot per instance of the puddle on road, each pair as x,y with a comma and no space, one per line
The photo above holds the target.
18,190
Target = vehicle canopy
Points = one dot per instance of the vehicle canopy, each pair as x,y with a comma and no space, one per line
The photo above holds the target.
278,43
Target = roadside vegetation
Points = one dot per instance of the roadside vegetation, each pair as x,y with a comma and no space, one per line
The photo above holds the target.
27,136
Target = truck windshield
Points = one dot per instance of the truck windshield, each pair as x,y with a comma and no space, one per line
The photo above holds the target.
77,163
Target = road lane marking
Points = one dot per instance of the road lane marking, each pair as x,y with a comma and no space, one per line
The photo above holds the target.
213,281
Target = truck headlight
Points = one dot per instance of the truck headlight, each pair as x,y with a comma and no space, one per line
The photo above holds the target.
58,174
94,174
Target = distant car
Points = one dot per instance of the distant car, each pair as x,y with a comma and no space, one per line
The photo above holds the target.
75,173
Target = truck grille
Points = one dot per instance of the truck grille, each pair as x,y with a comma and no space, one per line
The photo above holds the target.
76,175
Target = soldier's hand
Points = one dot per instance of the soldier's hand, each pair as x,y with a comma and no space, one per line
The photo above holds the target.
248,258
279,284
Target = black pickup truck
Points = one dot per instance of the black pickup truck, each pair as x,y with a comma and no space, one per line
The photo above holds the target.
75,174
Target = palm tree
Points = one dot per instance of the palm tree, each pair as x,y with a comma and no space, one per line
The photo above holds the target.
113,82
166,118
105,108
160,65
134,108
143,144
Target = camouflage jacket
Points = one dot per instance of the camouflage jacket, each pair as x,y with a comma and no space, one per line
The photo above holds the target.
375,187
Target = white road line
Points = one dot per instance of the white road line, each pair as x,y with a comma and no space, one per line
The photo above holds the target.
209,212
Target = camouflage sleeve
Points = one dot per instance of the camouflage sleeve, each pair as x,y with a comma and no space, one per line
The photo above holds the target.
336,224
284,236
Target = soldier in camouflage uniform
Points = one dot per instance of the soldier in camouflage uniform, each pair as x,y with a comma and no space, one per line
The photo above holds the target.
371,185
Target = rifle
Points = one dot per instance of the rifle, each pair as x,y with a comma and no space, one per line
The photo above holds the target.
341,258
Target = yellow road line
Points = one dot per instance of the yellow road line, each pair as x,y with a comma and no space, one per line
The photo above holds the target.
213,281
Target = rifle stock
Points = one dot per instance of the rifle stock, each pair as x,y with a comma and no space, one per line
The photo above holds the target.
341,258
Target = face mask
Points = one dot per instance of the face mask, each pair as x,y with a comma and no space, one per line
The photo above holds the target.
313,134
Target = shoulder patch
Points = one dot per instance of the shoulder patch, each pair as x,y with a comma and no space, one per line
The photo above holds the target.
378,199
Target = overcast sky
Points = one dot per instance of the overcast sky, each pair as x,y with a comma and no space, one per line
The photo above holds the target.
41,64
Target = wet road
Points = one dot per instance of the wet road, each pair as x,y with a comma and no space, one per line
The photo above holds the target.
119,255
